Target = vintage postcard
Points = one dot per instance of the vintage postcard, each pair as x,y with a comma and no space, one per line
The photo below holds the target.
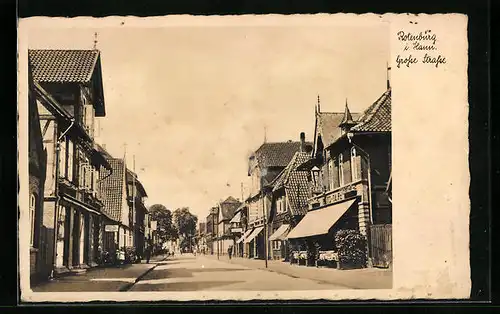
252,157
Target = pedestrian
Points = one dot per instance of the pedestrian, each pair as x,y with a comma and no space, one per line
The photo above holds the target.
148,251
230,251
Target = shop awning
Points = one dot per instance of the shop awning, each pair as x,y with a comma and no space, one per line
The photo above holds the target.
318,222
280,233
244,236
76,202
254,233
236,218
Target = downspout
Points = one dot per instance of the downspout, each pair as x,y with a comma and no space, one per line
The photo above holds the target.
58,197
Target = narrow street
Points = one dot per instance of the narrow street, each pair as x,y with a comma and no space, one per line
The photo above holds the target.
197,273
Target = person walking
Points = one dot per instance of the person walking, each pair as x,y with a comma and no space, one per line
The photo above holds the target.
230,251
148,251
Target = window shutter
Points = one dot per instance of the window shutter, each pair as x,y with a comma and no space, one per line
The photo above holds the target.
88,177
81,175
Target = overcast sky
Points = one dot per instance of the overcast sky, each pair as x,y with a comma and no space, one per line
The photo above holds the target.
192,102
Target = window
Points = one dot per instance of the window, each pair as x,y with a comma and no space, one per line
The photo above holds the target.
62,159
70,160
354,165
341,170
32,219
331,177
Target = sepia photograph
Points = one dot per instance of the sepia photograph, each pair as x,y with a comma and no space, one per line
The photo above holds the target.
203,156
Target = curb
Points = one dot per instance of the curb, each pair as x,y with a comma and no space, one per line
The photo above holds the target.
321,281
128,286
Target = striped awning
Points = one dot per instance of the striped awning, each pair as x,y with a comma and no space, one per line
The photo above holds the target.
281,233
236,218
244,236
254,233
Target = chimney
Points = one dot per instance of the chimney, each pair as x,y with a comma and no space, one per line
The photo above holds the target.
302,142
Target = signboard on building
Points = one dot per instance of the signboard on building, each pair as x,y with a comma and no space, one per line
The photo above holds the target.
237,230
153,225
111,228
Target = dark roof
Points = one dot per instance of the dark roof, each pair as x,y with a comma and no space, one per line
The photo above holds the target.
377,118
130,178
112,189
295,183
277,154
63,66
328,125
229,207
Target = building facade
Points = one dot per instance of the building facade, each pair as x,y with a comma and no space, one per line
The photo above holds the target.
39,265
69,99
136,195
225,236
289,201
263,166
349,176
120,221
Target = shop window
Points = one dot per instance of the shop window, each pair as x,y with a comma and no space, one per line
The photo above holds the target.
32,218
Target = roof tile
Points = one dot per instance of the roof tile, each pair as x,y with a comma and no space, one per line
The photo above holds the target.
63,66
377,118
277,154
295,183
112,189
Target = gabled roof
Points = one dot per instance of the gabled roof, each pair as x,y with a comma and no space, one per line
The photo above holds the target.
70,66
63,66
112,189
131,178
328,125
228,208
277,154
377,118
295,183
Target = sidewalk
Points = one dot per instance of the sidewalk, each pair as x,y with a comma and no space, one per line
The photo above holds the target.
112,278
366,278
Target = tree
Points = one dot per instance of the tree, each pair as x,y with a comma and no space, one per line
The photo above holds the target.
165,228
185,223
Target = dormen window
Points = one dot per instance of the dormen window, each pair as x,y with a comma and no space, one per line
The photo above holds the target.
32,219
341,170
